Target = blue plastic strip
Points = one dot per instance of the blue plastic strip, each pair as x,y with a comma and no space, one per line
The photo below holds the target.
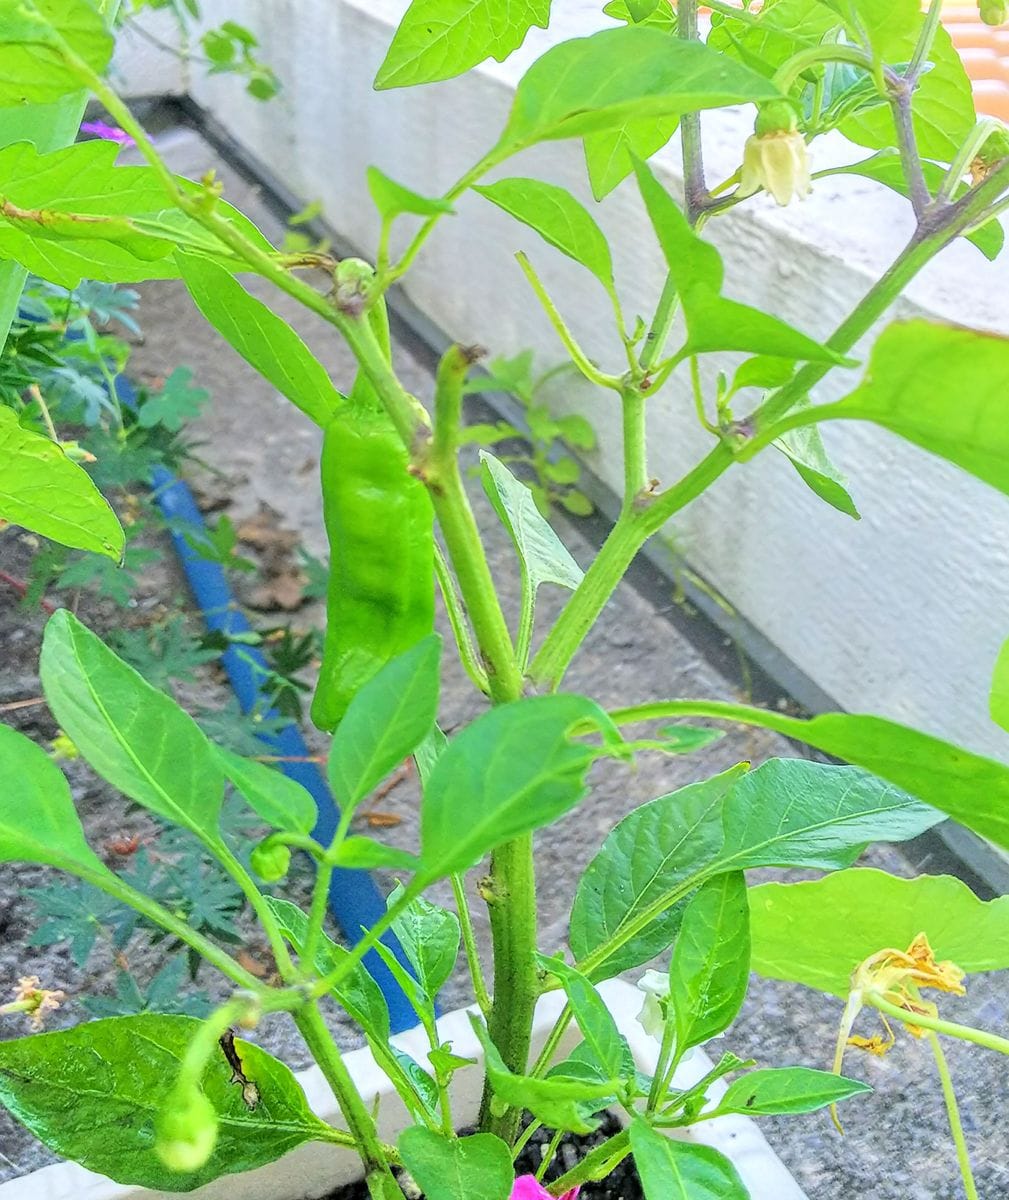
354,899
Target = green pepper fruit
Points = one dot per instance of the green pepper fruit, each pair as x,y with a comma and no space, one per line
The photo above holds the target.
270,860
380,525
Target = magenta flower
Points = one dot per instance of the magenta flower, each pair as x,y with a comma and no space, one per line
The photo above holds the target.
526,1188
109,133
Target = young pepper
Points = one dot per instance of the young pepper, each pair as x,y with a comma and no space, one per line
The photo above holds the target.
379,521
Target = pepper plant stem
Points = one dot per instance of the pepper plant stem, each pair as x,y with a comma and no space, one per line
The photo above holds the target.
955,1124
379,1178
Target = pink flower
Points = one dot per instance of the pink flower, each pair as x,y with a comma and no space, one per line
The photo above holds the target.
109,133
526,1188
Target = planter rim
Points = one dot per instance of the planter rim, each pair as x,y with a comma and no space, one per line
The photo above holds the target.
314,1169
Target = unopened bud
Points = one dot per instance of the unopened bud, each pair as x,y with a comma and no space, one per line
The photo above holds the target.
186,1131
351,279
994,12
271,860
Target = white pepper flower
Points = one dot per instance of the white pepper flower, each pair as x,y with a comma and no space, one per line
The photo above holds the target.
775,158
652,1018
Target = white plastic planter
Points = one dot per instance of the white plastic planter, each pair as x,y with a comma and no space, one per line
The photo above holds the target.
315,1169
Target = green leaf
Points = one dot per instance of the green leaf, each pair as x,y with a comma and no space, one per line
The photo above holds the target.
429,936
558,218
385,723
943,104
675,1170
818,932
83,217
366,854
511,771
32,68
714,322
806,452
44,491
262,338
617,76
942,388
780,31
392,199
358,993
543,557
559,1102
438,39
787,1091
282,803
886,168
610,155
647,856
457,1168
104,1119
793,812
605,1044
134,736
38,822
710,967
643,12
788,812
998,700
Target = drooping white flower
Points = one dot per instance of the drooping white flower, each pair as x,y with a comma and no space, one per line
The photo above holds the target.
652,1018
777,163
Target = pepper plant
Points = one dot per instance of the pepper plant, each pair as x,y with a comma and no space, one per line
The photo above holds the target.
174,1102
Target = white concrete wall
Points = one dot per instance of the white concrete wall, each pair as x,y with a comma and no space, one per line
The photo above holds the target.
902,613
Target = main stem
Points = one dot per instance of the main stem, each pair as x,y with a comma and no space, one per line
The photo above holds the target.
511,887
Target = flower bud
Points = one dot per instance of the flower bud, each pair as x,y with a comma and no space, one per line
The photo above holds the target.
186,1131
994,12
351,280
271,860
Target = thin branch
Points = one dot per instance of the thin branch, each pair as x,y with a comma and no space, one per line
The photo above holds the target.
695,191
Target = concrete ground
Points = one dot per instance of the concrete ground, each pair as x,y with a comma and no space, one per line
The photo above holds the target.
897,1146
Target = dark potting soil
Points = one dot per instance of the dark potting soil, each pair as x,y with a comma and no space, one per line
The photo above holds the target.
621,1184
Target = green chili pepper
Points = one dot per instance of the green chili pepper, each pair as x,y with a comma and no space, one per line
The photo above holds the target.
379,521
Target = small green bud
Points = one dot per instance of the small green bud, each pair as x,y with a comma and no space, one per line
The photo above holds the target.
994,12
186,1131
351,280
271,860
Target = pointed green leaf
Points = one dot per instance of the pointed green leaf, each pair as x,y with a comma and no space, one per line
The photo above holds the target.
280,801
648,857
543,557
713,321
710,968
511,771
942,388
787,1091
104,1117
818,932
610,154
385,723
430,937
32,69
794,812
262,338
558,218
392,199
134,736
560,1103
38,822
72,214
615,76
366,854
46,492
806,452
606,1044
438,39
457,1168
675,1170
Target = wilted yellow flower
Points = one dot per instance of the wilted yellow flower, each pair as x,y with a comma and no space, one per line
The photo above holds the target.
896,975
776,162
35,1001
